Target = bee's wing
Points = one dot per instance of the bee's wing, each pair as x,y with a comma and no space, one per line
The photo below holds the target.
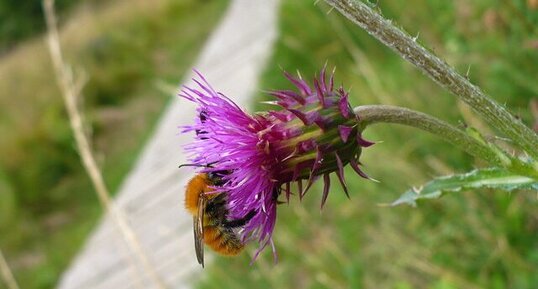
199,229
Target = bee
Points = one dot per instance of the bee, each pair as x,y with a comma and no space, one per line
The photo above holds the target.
210,217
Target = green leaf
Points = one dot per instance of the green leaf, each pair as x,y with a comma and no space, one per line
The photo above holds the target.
492,178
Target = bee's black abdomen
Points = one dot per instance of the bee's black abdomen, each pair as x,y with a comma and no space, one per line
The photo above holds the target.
240,222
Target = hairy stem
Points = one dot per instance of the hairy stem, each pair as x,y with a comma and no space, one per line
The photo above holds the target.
407,47
370,114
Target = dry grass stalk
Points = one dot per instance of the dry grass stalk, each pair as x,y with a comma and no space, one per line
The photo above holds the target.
70,92
7,274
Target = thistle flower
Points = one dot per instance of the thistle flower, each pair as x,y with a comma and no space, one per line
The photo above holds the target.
314,134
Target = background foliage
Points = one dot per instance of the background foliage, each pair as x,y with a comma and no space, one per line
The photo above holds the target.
22,19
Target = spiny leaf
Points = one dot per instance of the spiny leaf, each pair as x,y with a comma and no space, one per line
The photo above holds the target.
492,178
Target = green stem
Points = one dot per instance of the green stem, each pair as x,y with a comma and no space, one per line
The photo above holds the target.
370,114
446,76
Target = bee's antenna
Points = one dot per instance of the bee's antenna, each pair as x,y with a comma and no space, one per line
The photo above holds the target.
190,165
194,165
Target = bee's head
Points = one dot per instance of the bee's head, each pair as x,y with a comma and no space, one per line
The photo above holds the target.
216,177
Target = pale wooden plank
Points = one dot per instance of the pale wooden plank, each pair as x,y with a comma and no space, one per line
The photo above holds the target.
152,194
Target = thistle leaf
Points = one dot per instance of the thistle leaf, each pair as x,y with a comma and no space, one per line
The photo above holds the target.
491,178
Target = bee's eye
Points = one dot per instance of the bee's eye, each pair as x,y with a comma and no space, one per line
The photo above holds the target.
217,177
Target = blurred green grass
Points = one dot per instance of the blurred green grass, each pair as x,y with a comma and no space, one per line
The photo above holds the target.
20,20
479,239
47,204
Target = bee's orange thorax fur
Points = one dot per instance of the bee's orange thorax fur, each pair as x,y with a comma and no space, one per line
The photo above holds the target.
200,183
220,240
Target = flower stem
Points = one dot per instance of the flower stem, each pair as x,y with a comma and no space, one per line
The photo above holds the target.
370,114
446,76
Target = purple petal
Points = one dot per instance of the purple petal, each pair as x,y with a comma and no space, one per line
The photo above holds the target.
288,95
299,83
340,174
322,78
317,163
321,123
206,86
326,187
300,115
284,101
357,169
319,93
362,142
306,145
282,116
309,184
331,80
344,131
343,105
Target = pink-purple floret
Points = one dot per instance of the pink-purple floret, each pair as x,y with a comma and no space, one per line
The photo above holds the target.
236,142
246,146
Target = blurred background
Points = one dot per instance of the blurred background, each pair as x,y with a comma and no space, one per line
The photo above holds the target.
478,239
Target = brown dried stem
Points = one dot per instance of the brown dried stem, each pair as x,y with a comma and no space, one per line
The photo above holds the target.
70,93
7,274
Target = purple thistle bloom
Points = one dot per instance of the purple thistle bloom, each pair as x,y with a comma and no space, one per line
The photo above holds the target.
315,133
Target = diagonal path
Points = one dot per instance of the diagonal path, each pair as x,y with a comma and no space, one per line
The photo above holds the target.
152,194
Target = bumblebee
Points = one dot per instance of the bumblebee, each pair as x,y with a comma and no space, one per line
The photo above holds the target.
210,217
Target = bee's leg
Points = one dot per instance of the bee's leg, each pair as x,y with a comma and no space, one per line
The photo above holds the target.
276,193
239,222
203,118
